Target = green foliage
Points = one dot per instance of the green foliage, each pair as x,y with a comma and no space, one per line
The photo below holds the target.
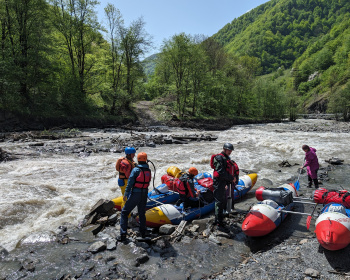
54,62
340,102
280,31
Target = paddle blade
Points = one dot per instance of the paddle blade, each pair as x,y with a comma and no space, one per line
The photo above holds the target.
229,204
308,221
297,185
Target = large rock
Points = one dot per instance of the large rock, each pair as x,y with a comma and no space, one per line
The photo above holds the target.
97,247
335,161
38,237
202,223
167,229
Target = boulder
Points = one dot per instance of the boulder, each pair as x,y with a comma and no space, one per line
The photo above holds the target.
97,247
38,237
335,161
167,229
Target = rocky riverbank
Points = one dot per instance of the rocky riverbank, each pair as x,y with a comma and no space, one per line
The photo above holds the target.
198,250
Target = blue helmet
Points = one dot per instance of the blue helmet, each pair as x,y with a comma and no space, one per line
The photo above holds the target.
130,150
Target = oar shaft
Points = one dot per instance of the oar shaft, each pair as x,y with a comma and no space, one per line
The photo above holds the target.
304,202
292,212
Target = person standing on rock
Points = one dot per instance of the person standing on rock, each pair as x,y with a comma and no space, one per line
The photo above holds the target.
185,186
124,166
136,194
226,172
311,164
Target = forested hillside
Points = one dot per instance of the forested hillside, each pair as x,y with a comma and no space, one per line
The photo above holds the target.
311,36
279,31
57,61
282,58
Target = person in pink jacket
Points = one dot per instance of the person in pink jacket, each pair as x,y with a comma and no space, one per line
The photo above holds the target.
311,164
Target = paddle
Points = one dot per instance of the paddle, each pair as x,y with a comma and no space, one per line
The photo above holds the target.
308,220
297,184
229,201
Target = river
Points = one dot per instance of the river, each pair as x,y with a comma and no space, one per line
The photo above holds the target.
42,190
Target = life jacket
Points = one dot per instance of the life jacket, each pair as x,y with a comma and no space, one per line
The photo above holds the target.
142,181
183,187
207,183
124,167
231,166
169,181
325,196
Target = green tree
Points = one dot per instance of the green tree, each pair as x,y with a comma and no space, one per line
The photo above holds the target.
23,44
116,54
177,51
134,42
77,23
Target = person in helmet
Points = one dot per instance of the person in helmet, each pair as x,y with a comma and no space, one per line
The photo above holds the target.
136,193
226,172
124,166
185,186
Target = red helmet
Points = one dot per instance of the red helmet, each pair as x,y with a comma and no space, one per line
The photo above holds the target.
142,156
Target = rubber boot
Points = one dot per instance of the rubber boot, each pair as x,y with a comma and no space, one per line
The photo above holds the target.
310,182
316,183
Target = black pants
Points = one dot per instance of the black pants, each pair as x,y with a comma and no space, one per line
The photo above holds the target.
189,203
220,199
313,180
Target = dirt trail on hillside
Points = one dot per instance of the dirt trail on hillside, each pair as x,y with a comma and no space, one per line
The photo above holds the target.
145,113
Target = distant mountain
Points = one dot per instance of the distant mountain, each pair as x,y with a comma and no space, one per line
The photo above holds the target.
149,64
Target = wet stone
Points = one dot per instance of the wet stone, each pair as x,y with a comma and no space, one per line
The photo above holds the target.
97,247
111,244
39,237
167,229
113,219
312,273
212,238
141,259
28,265
3,252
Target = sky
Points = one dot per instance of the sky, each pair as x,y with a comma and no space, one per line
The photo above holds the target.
166,18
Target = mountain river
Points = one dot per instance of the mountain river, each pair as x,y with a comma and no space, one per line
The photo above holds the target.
42,190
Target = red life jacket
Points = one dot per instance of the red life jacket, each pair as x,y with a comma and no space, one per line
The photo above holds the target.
231,166
142,181
207,183
124,167
184,188
325,196
169,181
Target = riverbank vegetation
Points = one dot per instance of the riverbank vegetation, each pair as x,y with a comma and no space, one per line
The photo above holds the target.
279,59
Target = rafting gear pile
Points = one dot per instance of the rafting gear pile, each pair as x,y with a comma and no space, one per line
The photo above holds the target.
167,192
172,214
324,196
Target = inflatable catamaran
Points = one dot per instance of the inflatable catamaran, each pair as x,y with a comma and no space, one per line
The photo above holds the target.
333,224
268,214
